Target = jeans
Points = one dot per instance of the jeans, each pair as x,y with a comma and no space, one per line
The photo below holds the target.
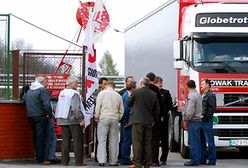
51,141
207,137
39,126
125,144
194,128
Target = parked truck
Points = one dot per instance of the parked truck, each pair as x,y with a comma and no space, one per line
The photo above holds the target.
197,39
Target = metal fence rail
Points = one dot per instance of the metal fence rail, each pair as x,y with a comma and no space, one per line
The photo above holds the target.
29,78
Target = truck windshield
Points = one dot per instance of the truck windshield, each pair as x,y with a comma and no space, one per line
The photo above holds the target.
220,55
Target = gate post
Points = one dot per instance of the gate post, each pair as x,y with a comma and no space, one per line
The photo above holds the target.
15,77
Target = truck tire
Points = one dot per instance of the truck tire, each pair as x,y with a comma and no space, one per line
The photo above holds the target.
173,145
184,150
243,150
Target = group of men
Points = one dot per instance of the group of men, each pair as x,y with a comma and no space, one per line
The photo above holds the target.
142,112
198,115
69,115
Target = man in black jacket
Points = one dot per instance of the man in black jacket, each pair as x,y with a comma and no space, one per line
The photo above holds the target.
39,109
144,110
209,107
157,123
166,103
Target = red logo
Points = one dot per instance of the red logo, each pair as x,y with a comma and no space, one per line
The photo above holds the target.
82,14
100,18
89,84
92,58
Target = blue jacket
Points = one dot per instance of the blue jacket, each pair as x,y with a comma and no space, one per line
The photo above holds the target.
38,102
127,109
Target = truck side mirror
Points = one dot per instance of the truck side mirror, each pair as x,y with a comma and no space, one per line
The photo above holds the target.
178,54
178,64
178,50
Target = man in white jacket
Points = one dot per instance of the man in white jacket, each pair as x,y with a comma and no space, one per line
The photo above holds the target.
69,114
108,112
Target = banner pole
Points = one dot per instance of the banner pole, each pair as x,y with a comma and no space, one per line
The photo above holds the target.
83,94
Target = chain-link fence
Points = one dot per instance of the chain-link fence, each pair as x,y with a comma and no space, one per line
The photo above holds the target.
47,63
34,62
4,54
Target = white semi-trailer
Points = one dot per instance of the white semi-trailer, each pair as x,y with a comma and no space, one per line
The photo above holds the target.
149,45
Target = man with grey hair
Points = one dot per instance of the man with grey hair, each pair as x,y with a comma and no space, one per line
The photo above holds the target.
69,114
144,110
39,109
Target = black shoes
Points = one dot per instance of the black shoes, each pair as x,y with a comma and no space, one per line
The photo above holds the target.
155,164
189,163
211,163
163,162
56,161
203,163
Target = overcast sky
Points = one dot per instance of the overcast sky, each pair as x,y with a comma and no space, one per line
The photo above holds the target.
59,17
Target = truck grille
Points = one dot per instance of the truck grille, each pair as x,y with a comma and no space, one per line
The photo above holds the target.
233,120
231,132
240,98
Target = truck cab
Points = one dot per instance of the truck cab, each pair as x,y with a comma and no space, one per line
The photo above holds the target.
212,43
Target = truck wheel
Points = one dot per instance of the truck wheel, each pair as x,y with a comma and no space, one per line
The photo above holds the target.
184,150
243,150
173,145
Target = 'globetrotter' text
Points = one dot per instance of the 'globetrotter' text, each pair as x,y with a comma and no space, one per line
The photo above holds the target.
222,20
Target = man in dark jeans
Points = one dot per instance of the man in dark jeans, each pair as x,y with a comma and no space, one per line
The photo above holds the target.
207,136
37,101
193,116
144,110
126,129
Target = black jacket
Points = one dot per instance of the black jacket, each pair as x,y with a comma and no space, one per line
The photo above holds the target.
144,106
208,105
155,89
166,102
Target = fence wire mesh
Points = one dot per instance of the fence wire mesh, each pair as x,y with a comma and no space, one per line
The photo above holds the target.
4,61
34,62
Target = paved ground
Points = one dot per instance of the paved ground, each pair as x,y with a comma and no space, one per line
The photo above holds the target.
231,159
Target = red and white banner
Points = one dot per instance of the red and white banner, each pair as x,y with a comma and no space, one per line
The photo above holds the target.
98,23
